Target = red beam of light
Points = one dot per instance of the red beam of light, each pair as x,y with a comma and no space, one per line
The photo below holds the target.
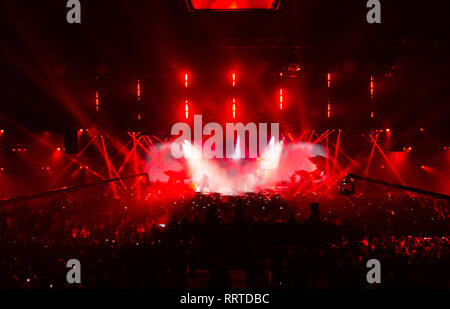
186,109
108,161
389,162
45,77
372,151
113,186
72,161
134,150
336,151
290,137
129,153
387,144
138,142
102,152
121,150
136,168
126,159
157,139
186,79
353,162
149,142
327,167
233,79
428,169
301,136
310,137
44,142
322,136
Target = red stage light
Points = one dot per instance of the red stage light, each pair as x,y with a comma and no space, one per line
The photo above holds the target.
372,88
186,109
186,78
281,99
138,90
232,5
388,130
2,131
329,79
58,149
81,130
97,104
233,78
329,109
234,108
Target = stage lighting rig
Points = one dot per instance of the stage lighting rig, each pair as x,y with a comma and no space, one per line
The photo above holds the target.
232,5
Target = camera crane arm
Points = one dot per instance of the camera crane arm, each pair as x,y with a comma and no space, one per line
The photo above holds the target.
397,186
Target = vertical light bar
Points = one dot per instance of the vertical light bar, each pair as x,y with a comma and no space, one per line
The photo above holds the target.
138,90
233,78
186,78
371,87
186,109
281,99
329,109
234,108
97,101
329,80
372,90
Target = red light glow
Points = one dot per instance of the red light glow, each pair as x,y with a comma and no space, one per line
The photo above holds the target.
97,103
138,90
232,4
372,88
234,108
281,99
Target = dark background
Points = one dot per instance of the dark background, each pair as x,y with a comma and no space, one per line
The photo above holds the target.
50,69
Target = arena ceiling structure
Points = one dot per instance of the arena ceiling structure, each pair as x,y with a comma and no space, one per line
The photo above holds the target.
157,42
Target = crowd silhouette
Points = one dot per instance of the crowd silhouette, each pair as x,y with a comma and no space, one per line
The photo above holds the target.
311,241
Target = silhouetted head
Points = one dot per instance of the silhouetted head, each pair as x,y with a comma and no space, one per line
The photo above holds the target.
314,209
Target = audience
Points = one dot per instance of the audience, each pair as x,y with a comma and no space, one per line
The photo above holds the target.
166,240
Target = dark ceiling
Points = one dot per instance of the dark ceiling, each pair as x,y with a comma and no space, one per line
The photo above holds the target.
50,69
